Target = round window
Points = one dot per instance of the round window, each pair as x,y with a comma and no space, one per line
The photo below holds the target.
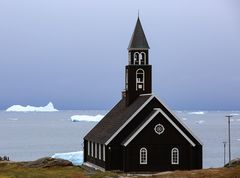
159,129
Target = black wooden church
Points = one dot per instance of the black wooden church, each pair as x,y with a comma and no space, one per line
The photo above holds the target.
140,133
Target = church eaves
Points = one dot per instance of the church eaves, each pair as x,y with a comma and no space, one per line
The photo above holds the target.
138,40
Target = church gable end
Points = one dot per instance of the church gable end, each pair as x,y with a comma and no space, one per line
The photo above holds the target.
163,126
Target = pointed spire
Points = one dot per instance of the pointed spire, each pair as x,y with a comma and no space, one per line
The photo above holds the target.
138,40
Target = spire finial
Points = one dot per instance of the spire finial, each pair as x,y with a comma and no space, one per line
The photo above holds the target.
138,13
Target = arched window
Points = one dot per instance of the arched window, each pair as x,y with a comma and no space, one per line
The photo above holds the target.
136,58
140,85
143,156
142,58
175,156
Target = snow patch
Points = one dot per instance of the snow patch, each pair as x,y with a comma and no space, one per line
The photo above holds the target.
234,114
197,113
78,118
18,108
75,157
200,122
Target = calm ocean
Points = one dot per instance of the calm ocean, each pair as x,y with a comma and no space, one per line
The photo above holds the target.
31,135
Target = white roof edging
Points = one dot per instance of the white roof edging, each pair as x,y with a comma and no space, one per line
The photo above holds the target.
142,127
181,122
139,109
149,120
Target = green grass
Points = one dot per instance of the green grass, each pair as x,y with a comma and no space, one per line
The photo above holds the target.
16,170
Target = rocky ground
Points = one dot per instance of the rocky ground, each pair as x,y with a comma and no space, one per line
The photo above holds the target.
58,168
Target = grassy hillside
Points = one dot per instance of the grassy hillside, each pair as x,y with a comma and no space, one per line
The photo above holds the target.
18,170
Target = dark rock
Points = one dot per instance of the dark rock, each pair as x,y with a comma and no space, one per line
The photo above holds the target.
47,162
4,158
234,163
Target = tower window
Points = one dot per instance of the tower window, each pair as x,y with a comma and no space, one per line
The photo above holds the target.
175,156
143,156
129,58
136,58
140,85
142,58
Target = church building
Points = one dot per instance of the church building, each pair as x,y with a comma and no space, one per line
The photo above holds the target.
140,134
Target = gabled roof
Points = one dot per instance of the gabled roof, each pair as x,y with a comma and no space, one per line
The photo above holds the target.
179,121
119,117
152,115
140,127
116,119
138,40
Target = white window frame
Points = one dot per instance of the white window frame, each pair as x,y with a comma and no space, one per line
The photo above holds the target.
99,151
142,57
135,58
138,72
129,58
103,152
157,132
143,160
175,156
126,80
95,152
92,149
88,145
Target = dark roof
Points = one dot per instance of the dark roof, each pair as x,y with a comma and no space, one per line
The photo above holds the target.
138,39
140,125
120,113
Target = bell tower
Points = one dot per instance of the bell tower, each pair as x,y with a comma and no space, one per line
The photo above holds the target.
138,72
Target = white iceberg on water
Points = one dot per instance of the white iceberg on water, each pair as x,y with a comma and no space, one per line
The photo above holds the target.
197,113
78,118
200,122
234,114
75,157
18,108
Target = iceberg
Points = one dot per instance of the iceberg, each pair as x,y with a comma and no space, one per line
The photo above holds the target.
234,114
184,119
75,157
78,118
18,108
200,122
197,113
13,119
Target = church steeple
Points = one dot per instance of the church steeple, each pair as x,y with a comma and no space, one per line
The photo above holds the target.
138,71
138,40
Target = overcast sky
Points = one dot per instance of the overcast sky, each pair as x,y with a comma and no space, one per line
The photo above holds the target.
73,52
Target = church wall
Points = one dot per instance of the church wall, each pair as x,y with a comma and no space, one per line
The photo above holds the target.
159,149
165,110
94,157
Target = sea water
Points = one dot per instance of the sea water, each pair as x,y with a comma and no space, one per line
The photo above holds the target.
31,135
